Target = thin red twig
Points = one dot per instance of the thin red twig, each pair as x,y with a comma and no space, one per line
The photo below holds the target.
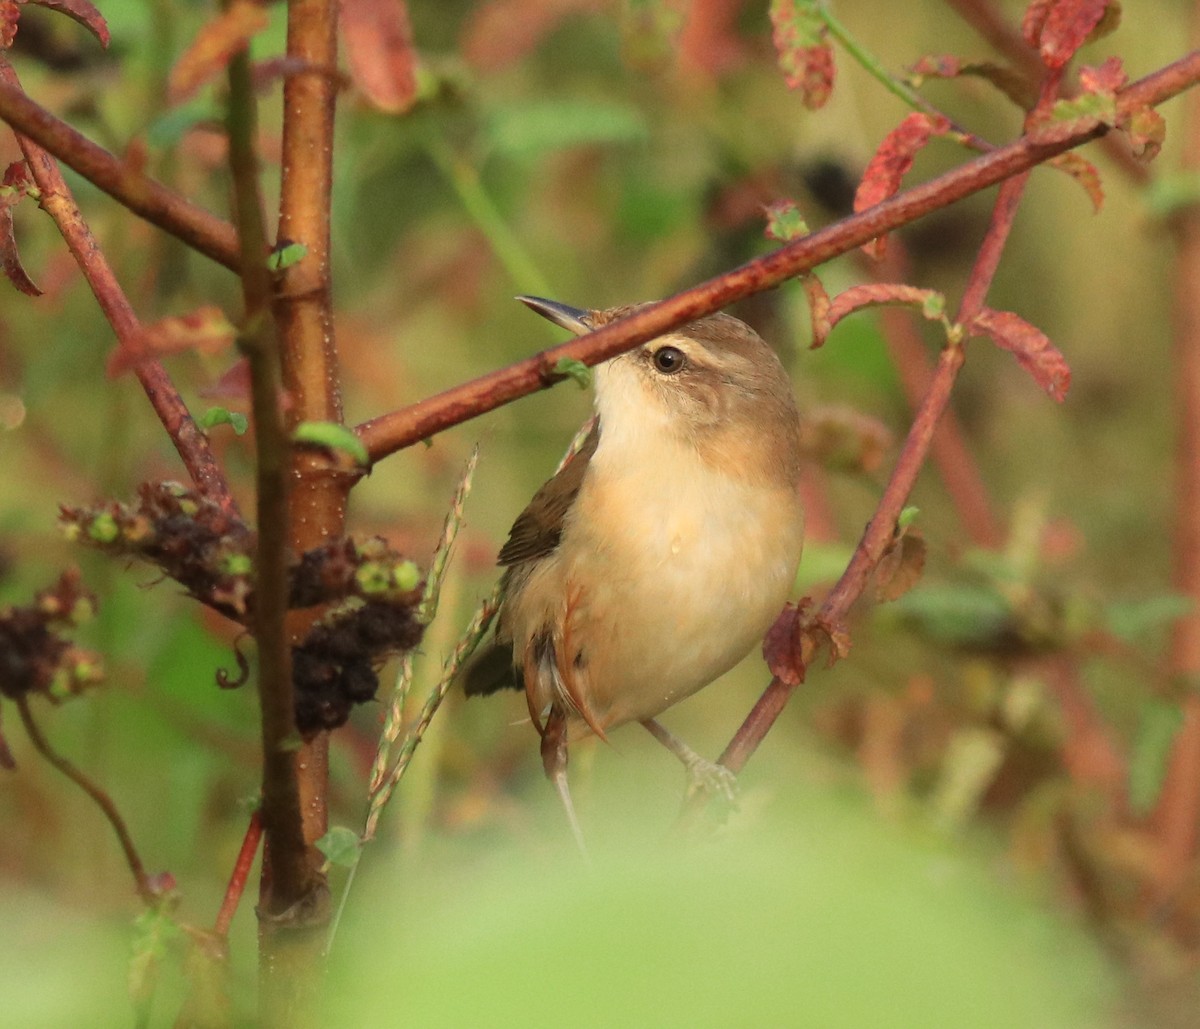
239,877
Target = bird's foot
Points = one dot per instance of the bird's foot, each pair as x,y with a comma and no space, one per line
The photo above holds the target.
709,778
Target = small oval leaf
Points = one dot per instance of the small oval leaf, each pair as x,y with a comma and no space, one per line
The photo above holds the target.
333,436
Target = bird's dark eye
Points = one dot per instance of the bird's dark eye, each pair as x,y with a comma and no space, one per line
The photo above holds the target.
668,360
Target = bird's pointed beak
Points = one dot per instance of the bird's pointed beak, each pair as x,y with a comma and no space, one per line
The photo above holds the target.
575,319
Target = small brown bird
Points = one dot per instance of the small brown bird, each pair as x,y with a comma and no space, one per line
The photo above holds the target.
661,552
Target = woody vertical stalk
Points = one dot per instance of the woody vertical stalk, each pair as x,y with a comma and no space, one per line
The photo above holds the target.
304,316
292,883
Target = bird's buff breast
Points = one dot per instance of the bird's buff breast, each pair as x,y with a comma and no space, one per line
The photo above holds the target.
662,582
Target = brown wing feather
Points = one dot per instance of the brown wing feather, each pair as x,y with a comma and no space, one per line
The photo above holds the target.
538,528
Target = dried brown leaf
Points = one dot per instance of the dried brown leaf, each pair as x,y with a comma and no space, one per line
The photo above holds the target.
208,55
818,308
892,162
1029,345
379,45
901,566
783,646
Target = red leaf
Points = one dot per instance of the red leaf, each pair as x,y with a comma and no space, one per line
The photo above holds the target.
9,257
1103,78
209,53
1033,21
931,303
892,162
383,60
206,329
804,53
83,12
1084,172
1029,345
1058,28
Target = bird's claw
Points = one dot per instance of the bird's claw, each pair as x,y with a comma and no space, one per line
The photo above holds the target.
710,778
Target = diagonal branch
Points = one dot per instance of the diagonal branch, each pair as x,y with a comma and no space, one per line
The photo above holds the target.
394,431
143,195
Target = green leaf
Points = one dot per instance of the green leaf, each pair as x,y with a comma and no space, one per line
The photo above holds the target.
286,256
221,416
1132,619
341,846
1148,763
333,436
907,517
785,222
573,369
529,130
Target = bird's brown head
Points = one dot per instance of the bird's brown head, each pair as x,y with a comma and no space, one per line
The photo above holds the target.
713,383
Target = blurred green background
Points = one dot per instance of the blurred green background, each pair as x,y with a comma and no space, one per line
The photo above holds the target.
910,846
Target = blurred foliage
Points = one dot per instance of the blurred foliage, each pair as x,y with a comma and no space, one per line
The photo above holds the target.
605,153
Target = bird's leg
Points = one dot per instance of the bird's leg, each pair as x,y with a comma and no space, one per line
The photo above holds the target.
554,760
702,774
